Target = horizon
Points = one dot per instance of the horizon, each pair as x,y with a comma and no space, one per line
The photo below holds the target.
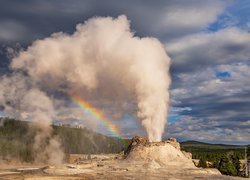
129,138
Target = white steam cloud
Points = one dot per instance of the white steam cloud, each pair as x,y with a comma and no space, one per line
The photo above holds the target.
101,61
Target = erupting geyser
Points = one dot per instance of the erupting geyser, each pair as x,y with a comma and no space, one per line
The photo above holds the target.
101,61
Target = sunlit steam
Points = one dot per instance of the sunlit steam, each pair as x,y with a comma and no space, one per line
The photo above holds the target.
101,61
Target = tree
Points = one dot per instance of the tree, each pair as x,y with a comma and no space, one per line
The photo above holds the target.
248,161
227,167
236,162
248,152
202,163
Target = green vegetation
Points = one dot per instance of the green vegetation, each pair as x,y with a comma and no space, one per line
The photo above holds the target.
227,167
248,152
211,152
17,139
223,157
202,163
85,141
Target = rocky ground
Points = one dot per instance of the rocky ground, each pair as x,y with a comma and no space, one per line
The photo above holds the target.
142,160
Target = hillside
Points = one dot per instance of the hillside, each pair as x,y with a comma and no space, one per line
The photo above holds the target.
208,145
16,140
211,151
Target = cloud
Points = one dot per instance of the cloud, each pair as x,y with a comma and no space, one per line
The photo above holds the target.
201,129
217,107
180,19
198,51
12,31
163,19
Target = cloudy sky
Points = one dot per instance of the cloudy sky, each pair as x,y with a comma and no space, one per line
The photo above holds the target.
208,42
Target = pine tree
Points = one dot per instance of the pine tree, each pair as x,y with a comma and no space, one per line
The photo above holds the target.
227,167
202,163
236,162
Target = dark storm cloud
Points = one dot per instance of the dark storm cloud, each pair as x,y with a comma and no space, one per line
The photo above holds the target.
165,19
24,21
214,106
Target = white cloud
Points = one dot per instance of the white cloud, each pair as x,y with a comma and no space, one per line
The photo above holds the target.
196,52
193,16
203,130
205,82
219,107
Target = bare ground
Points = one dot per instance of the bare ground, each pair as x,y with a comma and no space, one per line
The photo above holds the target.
106,167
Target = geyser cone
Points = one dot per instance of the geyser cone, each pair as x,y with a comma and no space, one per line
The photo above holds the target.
164,153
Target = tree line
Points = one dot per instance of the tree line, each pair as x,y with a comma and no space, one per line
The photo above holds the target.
227,161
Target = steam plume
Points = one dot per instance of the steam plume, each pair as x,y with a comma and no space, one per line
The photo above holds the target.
23,100
102,61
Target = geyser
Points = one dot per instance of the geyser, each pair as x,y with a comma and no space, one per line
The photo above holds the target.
102,61
162,154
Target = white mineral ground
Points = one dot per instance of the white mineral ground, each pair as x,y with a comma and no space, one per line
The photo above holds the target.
142,160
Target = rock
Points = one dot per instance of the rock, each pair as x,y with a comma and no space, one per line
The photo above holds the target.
213,171
8,173
136,141
187,154
174,143
164,153
71,166
196,162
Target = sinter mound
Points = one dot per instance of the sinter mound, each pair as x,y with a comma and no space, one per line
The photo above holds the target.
165,153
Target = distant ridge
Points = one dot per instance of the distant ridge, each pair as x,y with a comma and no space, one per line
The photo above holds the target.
211,151
203,144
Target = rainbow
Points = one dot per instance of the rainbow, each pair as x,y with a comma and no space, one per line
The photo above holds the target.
98,115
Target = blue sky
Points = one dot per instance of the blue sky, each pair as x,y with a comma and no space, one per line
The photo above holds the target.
235,14
208,42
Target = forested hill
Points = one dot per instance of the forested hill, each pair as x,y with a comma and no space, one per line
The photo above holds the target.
201,149
216,146
16,140
226,158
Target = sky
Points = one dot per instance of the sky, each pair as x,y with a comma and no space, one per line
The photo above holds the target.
208,42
